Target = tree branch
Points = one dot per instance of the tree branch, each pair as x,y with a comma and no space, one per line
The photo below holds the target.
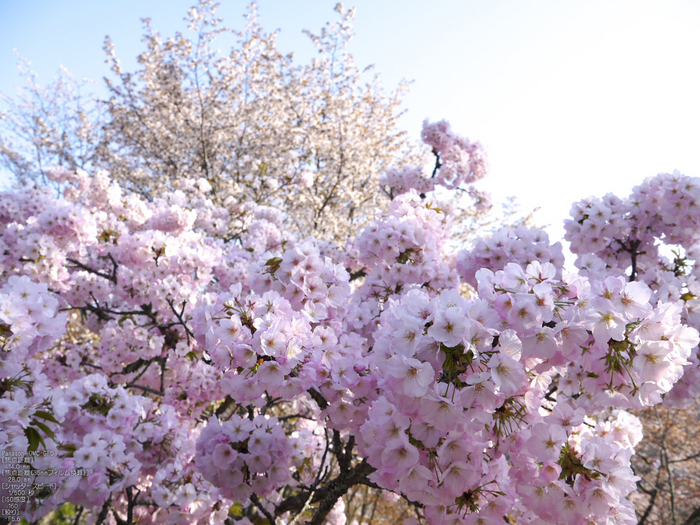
256,501
112,277
329,494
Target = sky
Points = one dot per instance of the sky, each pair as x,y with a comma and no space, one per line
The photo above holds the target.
570,98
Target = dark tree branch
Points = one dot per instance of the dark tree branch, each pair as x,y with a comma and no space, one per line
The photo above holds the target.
78,512
647,511
256,501
112,277
223,407
147,389
438,164
179,314
356,275
102,516
687,458
316,396
329,494
348,452
694,518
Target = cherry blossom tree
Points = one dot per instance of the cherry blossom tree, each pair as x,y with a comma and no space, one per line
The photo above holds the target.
191,347
318,141
310,140
181,376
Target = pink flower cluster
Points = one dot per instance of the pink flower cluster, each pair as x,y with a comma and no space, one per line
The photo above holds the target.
520,245
461,161
243,456
289,336
457,162
30,320
403,248
664,207
198,358
406,179
614,236
460,423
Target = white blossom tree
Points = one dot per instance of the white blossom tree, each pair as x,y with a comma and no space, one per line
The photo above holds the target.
308,139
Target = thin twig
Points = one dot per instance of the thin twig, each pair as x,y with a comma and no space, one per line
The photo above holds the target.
78,264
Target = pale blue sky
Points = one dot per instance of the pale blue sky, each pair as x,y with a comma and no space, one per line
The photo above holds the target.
571,99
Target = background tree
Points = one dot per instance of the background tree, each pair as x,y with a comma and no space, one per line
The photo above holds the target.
309,139
45,126
668,463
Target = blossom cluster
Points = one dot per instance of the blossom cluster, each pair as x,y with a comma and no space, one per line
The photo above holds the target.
243,456
458,162
651,236
258,373
461,161
229,322
468,383
521,245
619,230
402,248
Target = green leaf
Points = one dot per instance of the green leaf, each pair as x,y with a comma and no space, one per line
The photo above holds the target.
69,449
46,415
43,427
34,439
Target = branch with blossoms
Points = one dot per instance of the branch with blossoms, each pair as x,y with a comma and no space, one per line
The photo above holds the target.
180,320
328,495
458,163
112,276
438,163
258,380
